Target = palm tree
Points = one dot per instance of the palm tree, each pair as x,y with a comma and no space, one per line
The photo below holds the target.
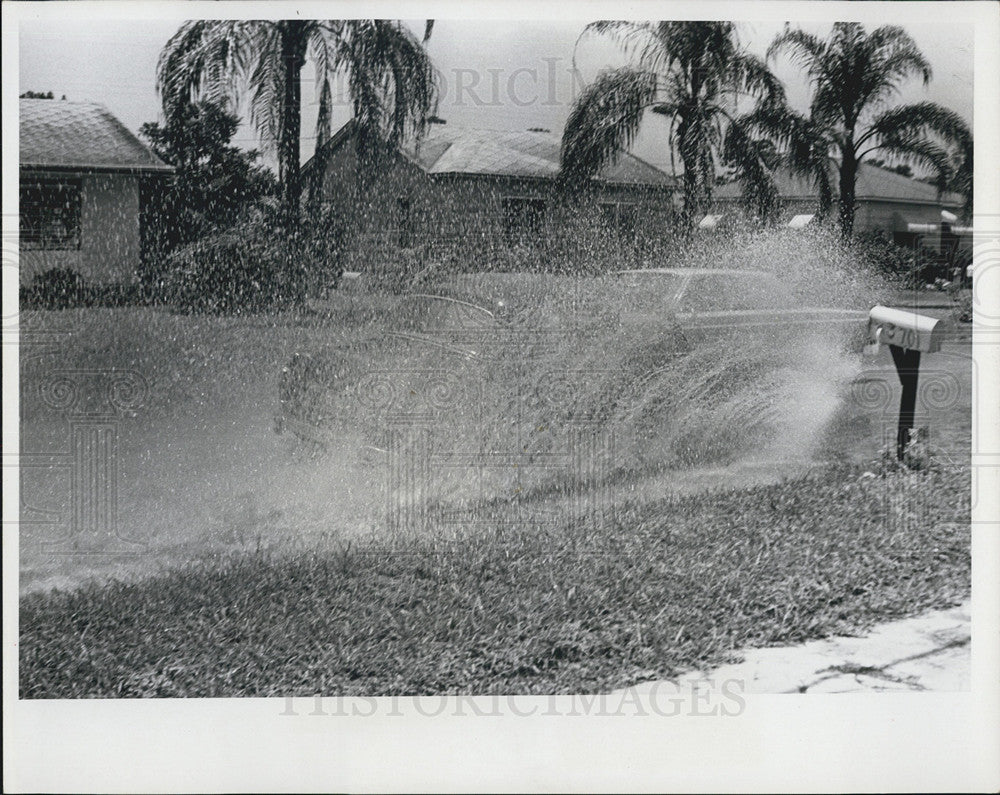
390,78
690,72
794,143
754,159
854,74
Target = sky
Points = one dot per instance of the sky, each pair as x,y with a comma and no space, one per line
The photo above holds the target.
496,74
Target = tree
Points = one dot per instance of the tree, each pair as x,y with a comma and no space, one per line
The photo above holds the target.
690,72
754,161
854,75
389,75
961,178
797,144
214,183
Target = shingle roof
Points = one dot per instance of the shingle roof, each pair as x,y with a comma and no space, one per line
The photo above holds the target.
533,154
80,135
873,184
451,150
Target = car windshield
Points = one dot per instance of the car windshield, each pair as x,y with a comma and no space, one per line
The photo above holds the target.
649,290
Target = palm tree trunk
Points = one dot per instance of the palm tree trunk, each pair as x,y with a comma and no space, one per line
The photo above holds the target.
848,179
692,207
293,45
695,194
825,196
293,52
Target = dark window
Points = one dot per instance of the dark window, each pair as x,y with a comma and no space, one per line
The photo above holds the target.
405,223
50,213
627,214
523,218
608,215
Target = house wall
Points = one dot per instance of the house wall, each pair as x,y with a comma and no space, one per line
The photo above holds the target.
736,215
109,234
869,215
465,216
884,215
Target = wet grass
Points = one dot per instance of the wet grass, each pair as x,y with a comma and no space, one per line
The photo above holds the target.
529,609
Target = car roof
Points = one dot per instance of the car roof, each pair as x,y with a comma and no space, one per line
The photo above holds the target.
694,271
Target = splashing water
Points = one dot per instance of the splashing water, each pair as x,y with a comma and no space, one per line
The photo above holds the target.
493,405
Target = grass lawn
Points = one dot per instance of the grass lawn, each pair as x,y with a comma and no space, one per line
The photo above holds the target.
667,585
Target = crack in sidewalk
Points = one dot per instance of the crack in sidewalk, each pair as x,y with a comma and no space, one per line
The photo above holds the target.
881,672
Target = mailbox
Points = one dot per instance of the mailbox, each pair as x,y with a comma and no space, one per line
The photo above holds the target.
905,329
907,334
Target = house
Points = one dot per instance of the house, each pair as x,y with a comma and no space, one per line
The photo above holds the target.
885,201
475,190
80,176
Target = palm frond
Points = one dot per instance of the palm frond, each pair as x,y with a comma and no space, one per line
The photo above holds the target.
754,160
632,37
751,75
921,118
804,48
919,152
207,60
603,121
393,85
267,86
414,83
886,59
323,118
900,52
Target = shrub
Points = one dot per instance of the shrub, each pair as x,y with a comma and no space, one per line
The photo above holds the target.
226,272
55,288
251,267
320,251
918,265
887,258
963,305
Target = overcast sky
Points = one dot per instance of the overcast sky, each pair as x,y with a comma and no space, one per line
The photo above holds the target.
494,74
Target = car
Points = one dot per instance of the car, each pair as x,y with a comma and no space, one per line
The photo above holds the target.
553,319
706,301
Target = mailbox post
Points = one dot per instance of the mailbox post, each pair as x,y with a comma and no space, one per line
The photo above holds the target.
907,334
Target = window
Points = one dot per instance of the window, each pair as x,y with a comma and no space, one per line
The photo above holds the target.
50,213
523,218
627,214
405,223
608,214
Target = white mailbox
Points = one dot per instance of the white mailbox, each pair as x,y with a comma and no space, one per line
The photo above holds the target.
905,329
907,334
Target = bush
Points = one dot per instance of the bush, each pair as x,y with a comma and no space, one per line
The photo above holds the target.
917,265
888,258
250,268
55,288
963,305
226,272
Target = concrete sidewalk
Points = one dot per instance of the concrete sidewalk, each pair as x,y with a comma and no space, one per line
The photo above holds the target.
928,653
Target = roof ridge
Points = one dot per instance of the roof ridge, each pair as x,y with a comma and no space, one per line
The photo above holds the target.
57,103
